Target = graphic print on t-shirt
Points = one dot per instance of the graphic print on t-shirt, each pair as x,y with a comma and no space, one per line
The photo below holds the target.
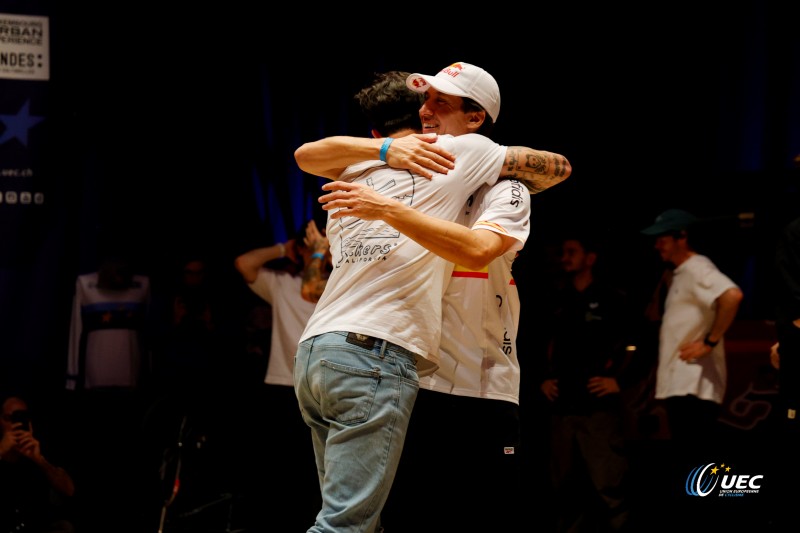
373,240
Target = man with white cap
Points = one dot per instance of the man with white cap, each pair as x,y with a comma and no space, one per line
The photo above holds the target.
465,81
471,402
454,242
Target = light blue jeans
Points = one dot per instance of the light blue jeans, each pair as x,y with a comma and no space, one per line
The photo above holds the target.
357,400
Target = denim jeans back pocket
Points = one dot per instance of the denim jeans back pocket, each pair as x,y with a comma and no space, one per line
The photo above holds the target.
349,392
408,371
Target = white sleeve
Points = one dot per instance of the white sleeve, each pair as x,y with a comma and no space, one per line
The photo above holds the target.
264,285
504,208
479,160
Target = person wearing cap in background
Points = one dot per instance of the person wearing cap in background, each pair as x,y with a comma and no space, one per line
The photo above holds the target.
701,304
355,482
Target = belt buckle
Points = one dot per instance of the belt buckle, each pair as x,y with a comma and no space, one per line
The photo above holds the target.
365,341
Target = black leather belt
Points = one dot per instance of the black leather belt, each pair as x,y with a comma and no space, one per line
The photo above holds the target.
365,341
368,343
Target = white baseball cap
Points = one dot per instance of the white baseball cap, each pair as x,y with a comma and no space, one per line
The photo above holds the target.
464,80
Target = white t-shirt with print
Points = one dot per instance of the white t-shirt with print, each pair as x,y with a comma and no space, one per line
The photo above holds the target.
383,283
478,350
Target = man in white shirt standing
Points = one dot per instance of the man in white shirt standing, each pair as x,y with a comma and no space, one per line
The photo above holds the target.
700,306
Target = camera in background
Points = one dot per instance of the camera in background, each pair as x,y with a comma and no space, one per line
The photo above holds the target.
23,417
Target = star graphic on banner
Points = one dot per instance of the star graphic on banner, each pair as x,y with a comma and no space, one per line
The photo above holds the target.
19,124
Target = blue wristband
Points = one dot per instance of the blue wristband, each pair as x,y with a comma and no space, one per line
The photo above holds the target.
385,148
317,255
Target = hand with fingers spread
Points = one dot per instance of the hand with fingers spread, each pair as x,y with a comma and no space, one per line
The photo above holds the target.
420,154
354,200
692,351
417,152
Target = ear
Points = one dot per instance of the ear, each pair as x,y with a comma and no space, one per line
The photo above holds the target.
375,133
475,120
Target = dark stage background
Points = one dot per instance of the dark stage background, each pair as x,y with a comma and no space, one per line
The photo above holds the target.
170,129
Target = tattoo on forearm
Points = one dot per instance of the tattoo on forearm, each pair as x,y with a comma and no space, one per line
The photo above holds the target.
513,160
560,166
311,273
313,283
537,163
539,171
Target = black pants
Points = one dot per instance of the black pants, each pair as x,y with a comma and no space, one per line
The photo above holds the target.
460,469
589,467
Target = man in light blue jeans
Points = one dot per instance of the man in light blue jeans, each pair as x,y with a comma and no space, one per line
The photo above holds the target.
379,318
357,401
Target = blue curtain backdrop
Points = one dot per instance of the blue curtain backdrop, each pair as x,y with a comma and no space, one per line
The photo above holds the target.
32,179
164,131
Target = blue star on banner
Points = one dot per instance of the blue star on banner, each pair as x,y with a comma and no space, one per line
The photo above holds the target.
17,126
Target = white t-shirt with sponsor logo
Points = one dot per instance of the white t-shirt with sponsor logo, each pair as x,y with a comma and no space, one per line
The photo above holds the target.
383,283
478,350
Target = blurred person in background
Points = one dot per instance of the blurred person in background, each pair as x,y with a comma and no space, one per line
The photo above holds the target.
35,495
290,276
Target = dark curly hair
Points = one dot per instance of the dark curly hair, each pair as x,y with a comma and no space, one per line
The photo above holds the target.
389,104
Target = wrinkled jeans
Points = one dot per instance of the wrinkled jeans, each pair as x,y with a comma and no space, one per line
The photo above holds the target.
357,400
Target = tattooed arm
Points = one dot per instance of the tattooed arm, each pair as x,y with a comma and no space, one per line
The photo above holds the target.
315,277
315,272
536,169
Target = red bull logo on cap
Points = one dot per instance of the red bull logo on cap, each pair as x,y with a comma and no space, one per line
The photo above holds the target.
419,83
453,70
